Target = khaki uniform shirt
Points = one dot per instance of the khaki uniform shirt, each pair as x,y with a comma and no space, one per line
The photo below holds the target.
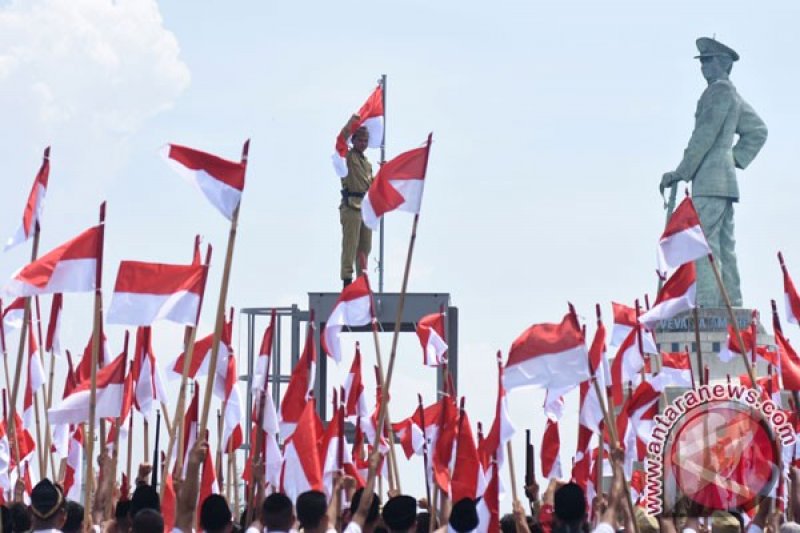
359,174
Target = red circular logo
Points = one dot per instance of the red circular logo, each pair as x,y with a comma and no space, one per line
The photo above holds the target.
724,457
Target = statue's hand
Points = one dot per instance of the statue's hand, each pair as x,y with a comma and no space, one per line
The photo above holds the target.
669,179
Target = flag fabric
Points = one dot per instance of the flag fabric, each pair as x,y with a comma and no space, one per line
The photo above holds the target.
261,373
353,308
789,362
147,292
683,239
445,442
149,385
624,321
790,296
550,451
33,208
73,474
629,361
232,435
221,181
302,470
201,355
430,331
84,370
300,386
502,429
548,356
397,186
13,315
676,369
731,349
53,342
74,409
679,294
168,504
190,427
5,460
208,484
355,398
371,117
467,480
70,267
591,412
35,381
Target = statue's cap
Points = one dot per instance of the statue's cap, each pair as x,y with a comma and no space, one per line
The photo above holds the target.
709,47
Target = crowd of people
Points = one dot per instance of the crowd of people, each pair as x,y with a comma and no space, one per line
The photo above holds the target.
563,508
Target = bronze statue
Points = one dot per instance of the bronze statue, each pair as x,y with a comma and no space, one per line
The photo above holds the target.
709,163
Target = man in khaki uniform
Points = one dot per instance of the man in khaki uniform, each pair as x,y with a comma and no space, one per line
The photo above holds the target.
356,236
709,162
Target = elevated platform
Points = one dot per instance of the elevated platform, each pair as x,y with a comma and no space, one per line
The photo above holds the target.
256,320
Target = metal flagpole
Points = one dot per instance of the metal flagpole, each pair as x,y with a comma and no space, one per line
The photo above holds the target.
383,160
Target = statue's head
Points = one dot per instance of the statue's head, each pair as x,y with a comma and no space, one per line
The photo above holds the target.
361,139
716,59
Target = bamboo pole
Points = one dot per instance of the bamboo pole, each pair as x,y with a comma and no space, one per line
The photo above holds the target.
734,324
176,431
223,294
698,350
129,456
98,310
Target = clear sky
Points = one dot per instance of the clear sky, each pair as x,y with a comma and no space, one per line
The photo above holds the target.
553,123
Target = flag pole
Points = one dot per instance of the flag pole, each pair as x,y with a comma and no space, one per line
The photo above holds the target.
400,304
98,310
175,432
382,82
42,452
421,408
154,475
26,316
48,436
129,456
223,293
732,318
117,426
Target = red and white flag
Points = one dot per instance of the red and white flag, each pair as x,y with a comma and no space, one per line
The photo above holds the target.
201,355
790,296
300,386
676,369
232,435
149,385
302,470
53,342
208,483
679,294
732,350
591,412
624,321
5,461
398,186
221,181
73,474
355,398
74,409
33,208
502,428
264,356
550,356
550,457
430,330
627,364
71,267
370,117
36,379
353,308
147,292
468,480
683,239
789,362
14,314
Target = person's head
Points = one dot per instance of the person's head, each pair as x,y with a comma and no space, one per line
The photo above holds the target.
311,508
400,514
569,507
20,517
507,524
463,516
361,139
277,512
423,522
122,515
47,506
723,522
147,521
215,515
74,521
790,527
144,497
5,518
374,507
716,59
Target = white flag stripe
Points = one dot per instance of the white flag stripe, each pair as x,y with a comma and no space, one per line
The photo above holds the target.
140,309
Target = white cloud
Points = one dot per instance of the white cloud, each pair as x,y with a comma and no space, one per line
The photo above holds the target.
84,75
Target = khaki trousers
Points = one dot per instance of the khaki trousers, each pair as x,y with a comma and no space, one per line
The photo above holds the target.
716,217
356,239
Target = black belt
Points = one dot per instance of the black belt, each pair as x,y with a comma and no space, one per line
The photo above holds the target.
349,194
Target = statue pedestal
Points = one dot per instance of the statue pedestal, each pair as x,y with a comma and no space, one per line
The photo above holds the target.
678,334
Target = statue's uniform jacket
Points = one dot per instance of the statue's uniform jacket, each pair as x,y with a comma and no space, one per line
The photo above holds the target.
710,159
